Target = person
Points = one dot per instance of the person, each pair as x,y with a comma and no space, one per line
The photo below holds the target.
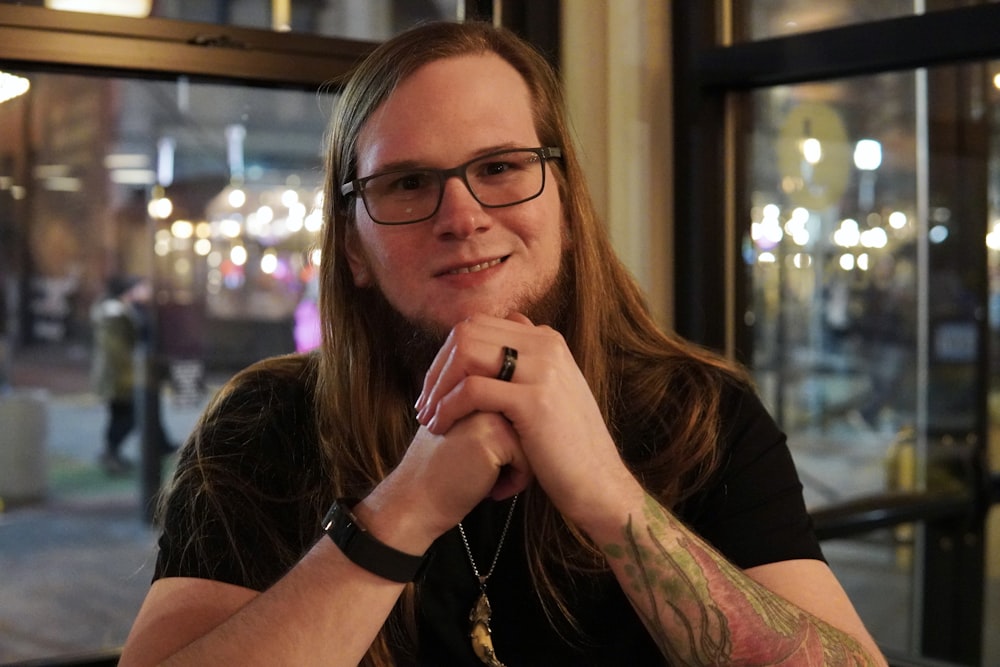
885,334
521,467
120,327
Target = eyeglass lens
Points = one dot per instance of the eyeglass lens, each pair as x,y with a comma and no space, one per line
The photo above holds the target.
500,179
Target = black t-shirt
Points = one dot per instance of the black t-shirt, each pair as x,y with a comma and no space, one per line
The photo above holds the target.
751,511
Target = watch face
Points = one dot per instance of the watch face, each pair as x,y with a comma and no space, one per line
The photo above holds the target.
340,524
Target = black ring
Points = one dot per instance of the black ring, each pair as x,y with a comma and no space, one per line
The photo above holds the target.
508,365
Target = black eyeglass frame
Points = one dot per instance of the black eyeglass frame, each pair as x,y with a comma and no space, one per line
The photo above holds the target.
356,187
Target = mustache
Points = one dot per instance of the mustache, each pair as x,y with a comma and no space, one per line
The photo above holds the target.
411,345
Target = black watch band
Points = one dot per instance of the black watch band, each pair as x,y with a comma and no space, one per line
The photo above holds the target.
363,549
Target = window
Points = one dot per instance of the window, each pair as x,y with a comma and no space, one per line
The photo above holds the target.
844,157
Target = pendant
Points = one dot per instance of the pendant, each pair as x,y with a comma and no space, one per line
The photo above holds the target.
479,632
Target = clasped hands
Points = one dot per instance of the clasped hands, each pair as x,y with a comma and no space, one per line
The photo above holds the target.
481,436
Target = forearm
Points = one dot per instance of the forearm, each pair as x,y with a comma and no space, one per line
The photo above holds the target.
702,610
325,611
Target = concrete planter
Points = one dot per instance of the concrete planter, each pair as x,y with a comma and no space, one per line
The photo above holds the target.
23,438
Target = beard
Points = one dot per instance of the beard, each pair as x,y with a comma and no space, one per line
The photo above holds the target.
413,344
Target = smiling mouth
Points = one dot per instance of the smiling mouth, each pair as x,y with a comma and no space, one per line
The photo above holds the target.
475,268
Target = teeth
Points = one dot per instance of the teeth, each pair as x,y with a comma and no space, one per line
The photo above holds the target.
475,268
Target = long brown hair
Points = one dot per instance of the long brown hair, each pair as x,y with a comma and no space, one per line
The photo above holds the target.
645,380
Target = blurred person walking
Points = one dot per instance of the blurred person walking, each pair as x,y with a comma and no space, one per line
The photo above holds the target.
120,322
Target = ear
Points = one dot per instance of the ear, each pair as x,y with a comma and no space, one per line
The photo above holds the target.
356,258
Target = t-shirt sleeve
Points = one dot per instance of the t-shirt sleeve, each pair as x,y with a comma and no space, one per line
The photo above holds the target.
239,510
753,511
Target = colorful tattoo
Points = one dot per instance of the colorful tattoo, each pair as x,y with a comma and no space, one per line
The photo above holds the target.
702,610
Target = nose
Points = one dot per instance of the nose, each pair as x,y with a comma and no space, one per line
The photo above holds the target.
460,215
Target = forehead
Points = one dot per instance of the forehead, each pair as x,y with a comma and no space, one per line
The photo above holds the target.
447,111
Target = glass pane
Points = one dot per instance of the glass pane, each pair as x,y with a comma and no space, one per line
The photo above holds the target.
871,199
373,20
207,192
762,19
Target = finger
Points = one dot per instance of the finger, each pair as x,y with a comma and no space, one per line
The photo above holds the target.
472,348
456,361
472,394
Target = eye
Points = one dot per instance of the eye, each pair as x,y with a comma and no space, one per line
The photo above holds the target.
401,184
409,181
505,165
496,167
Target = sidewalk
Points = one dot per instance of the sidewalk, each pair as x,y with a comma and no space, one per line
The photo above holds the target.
75,566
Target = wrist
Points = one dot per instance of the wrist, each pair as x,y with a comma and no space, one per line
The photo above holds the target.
364,549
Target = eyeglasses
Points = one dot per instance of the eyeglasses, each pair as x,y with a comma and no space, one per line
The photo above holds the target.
405,196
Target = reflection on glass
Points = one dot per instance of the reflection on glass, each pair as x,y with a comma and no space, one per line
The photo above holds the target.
373,20
762,19
210,192
832,255
868,247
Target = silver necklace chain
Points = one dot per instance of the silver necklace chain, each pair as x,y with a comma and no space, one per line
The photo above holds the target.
496,556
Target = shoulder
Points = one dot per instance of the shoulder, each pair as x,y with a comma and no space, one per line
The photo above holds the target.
248,481
752,509
260,427
273,389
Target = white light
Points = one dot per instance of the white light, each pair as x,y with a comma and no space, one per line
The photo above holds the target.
237,198
133,176
847,235
230,228
160,208
897,219
315,256
771,211
766,258
63,184
203,230
12,86
138,8
314,221
265,214
801,260
126,161
847,261
812,150
238,255
874,238
868,155
269,262
214,259
202,247
289,198
166,147
863,261
182,229
235,136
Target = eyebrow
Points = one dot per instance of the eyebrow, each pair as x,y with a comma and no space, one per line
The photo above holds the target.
401,165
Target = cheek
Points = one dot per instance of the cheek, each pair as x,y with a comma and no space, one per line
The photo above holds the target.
389,260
